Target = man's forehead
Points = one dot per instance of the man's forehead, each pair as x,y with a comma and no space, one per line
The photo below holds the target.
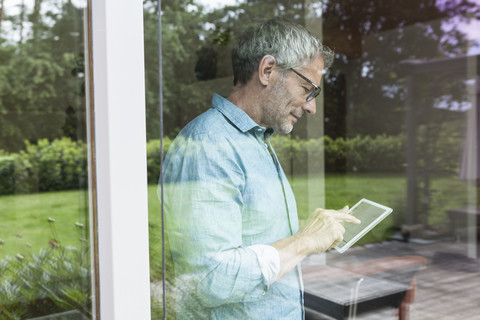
313,70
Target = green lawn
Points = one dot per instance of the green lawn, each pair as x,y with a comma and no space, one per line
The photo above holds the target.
341,190
347,189
24,225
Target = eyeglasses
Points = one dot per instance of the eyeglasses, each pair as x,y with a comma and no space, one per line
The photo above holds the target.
316,89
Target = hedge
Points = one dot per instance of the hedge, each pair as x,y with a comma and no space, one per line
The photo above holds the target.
360,154
7,175
45,166
62,164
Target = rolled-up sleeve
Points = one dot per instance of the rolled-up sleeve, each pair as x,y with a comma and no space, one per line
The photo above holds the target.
203,202
269,260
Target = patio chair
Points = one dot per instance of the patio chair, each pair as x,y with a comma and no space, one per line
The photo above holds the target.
343,291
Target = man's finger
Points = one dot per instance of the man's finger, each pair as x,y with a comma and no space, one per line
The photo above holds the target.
347,218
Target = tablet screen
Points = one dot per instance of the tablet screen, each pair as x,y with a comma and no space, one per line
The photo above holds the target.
370,214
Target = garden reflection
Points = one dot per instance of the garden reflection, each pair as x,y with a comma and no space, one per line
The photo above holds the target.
399,124
45,269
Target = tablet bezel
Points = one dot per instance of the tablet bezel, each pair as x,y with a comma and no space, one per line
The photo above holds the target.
383,215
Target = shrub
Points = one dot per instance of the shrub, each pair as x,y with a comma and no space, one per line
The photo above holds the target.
51,281
45,166
7,177
335,154
54,280
380,154
62,164
59,165
283,146
26,180
153,158
363,154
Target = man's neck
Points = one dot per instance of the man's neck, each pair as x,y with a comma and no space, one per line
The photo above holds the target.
247,98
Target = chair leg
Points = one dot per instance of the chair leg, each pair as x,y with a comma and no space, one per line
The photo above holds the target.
404,308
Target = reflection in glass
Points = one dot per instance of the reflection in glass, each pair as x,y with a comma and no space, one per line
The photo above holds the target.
44,212
402,96
399,127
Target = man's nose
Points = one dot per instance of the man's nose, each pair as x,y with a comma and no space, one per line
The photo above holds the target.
310,106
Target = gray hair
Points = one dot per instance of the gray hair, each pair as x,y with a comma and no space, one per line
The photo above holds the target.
291,44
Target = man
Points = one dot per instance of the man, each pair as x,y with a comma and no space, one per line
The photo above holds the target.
231,216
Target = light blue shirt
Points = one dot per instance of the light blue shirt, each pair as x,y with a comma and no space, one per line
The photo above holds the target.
225,191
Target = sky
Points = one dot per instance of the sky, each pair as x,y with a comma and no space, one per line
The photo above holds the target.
12,7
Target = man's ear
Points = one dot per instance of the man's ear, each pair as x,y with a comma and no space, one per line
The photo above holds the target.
265,69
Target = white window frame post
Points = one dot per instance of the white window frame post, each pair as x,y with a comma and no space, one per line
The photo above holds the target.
120,159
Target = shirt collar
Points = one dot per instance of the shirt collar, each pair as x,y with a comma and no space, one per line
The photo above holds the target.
237,116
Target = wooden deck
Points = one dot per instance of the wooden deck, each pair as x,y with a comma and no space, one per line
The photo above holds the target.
448,287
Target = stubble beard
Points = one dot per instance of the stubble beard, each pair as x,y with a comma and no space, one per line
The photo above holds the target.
285,127
275,108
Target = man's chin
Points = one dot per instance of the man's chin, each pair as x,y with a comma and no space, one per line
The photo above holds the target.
285,128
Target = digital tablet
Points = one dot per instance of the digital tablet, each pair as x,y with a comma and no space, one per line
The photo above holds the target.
370,214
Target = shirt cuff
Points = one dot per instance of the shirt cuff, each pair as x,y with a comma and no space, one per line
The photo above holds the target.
269,261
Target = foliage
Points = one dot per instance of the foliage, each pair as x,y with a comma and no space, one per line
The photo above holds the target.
340,189
371,39
365,88
42,78
45,166
181,32
381,154
59,165
154,157
360,154
7,175
62,163
42,73
54,280
335,159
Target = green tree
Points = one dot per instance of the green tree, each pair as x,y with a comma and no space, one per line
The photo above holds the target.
2,13
181,32
42,75
371,38
196,54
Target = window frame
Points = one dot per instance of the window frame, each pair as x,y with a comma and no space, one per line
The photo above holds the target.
119,198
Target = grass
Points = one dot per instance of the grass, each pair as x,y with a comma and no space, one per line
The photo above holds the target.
342,189
446,192
25,228
24,223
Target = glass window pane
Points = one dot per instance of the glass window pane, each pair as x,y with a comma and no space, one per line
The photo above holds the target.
45,256
401,105
396,123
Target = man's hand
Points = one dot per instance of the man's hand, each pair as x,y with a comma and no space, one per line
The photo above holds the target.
324,229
